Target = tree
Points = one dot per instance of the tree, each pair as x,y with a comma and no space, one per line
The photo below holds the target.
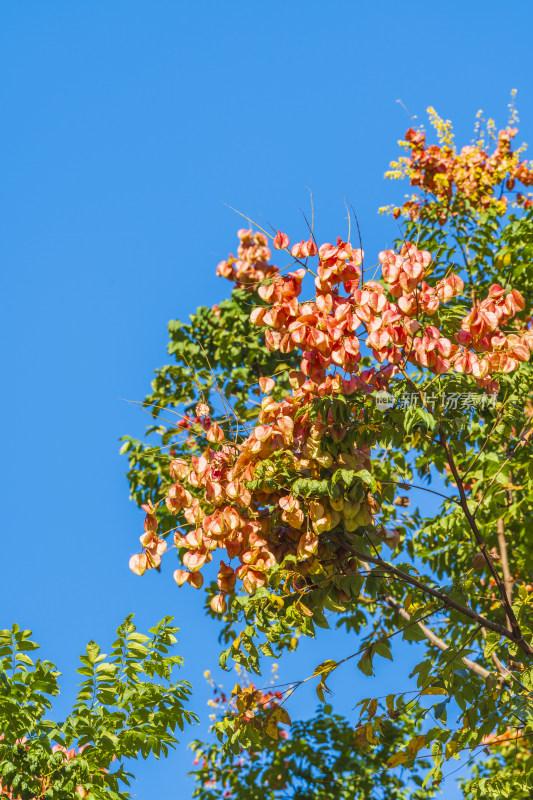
315,758
297,430
128,705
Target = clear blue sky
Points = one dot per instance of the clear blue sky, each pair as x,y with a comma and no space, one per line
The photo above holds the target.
125,127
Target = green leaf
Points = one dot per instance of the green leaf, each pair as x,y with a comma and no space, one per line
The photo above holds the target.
491,643
365,663
365,476
382,648
93,651
325,667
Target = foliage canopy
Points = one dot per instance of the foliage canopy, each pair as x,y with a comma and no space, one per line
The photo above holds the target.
296,429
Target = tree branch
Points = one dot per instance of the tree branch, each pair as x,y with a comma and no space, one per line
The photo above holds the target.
502,546
428,633
516,635
444,599
433,638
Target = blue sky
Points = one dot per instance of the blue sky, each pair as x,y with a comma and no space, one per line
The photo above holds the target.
126,127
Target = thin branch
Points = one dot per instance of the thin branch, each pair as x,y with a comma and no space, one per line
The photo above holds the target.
504,671
523,439
485,443
405,485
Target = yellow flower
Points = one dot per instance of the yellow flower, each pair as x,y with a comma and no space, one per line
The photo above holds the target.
513,112
442,127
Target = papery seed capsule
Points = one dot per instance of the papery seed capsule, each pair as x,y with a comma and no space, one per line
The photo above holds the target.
218,604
